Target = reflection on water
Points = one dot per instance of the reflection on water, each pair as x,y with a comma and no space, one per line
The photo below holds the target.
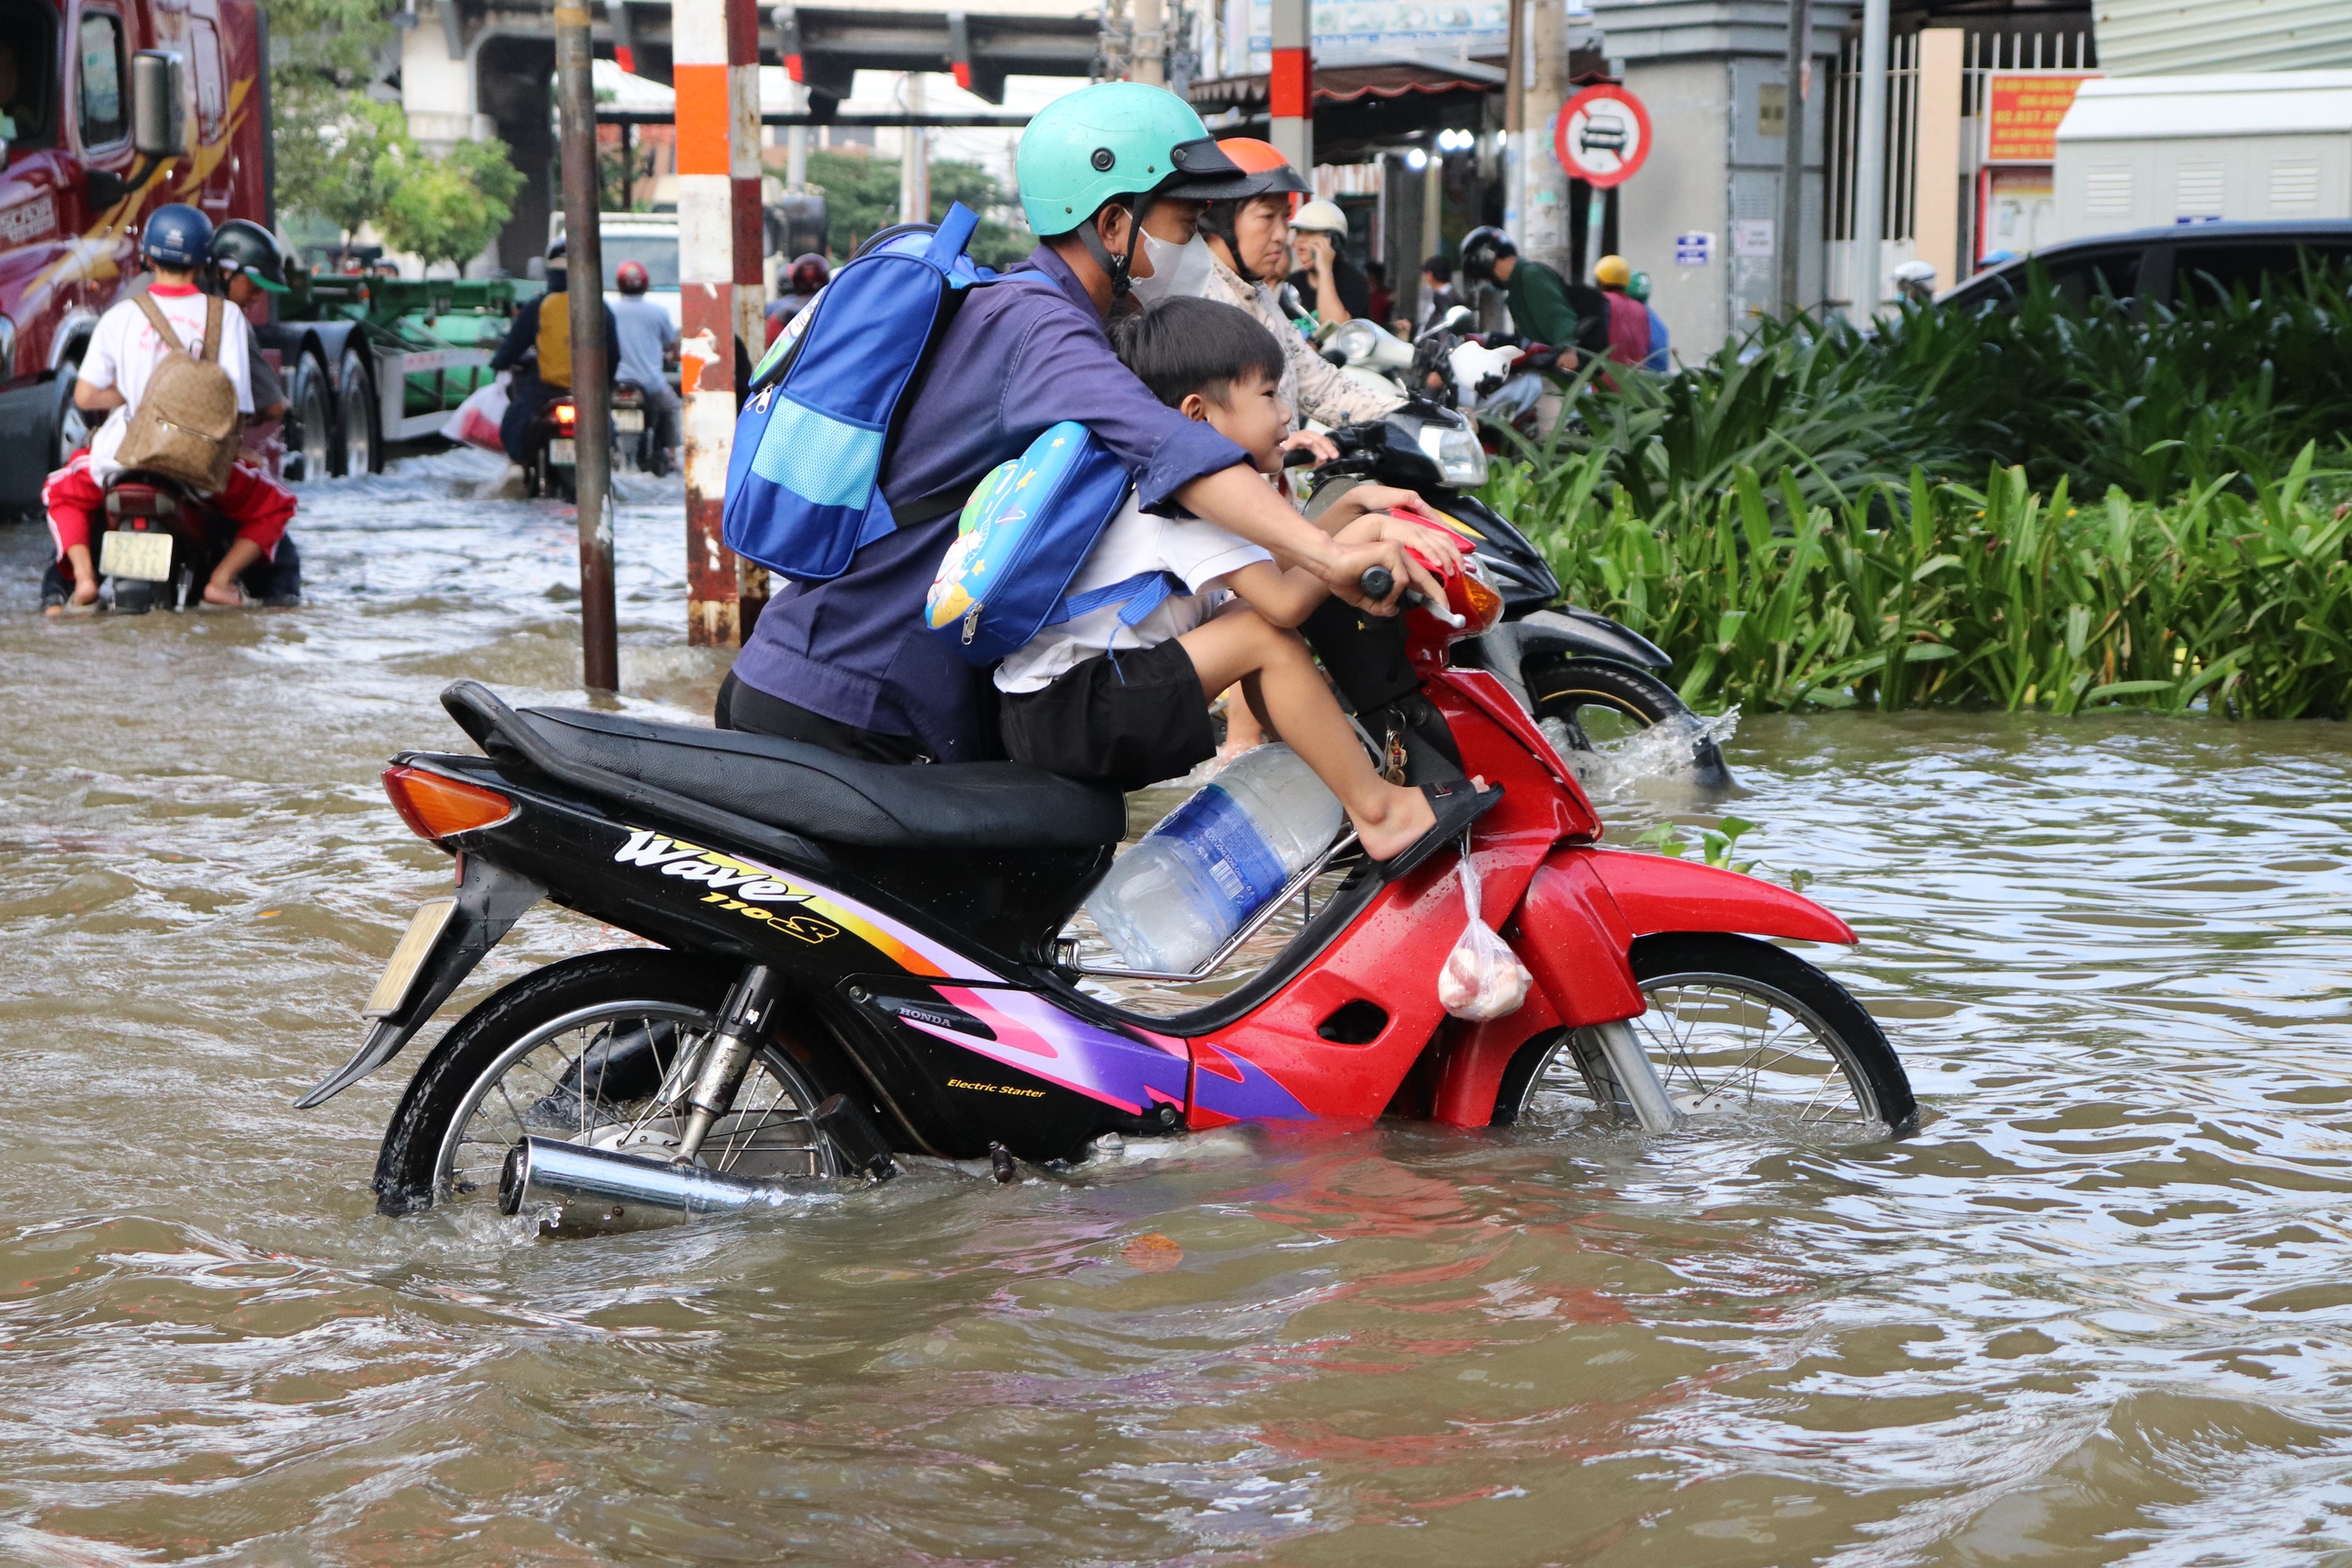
2096,1311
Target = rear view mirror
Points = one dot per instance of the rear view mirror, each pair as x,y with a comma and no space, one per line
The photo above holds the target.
158,115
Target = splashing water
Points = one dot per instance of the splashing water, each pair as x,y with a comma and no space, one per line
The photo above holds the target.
1664,751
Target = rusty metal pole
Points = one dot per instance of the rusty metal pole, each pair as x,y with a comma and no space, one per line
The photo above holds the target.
716,73
591,372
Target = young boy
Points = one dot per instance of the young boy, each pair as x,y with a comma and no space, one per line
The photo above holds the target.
124,351
1129,705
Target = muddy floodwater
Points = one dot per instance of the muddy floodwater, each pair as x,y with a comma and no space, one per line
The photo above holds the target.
2098,1310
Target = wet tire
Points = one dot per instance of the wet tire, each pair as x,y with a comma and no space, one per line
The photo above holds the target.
72,428
361,447
309,420
472,1061
1733,1025
1600,700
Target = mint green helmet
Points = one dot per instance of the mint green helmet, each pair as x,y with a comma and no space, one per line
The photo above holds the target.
1116,139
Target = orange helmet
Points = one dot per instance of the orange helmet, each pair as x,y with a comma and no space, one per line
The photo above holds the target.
1268,174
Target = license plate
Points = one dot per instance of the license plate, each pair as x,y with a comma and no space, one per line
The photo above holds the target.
628,422
561,450
425,928
147,557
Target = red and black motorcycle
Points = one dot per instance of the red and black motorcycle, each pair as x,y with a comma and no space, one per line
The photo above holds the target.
159,543
857,961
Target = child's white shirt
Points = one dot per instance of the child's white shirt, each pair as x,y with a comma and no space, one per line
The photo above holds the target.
1196,552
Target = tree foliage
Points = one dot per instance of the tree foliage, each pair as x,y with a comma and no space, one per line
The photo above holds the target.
450,208
862,198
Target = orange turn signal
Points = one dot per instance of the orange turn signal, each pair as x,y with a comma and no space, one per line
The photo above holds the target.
435,808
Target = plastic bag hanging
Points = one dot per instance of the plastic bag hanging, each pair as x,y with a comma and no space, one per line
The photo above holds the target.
1483,979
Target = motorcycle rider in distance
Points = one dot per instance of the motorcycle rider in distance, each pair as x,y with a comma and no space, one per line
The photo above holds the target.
1112,179
649,343
538,349
124,350
808,275
1544,307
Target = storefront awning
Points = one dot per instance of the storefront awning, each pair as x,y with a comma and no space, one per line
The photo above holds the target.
1353,83
1362,107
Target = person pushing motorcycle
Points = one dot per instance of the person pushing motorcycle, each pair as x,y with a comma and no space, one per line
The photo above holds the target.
1113,178
124,350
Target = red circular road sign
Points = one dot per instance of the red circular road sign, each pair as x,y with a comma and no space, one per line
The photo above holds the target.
1603,135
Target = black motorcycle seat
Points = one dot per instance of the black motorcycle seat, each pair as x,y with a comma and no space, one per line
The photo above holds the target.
821,795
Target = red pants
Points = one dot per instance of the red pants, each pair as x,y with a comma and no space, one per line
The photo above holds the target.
257,504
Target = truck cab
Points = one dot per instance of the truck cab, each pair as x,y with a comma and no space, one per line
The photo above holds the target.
109,108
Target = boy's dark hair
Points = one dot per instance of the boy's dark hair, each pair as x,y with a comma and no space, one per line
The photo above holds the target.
1441,270
1184,344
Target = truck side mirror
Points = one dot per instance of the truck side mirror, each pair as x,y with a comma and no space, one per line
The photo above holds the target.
158,104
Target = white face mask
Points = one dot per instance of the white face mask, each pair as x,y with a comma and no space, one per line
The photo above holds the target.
1176,270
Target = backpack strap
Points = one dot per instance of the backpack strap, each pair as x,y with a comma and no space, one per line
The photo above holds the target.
163,325
954,233
1140,595
211,347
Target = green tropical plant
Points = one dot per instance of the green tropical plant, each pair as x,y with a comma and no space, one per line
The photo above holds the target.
449,208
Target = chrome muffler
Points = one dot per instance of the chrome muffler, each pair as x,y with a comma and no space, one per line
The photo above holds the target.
578,1191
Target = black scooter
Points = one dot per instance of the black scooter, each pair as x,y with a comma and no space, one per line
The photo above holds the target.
1599,680
159,543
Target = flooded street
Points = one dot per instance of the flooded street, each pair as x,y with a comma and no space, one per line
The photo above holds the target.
2098,1310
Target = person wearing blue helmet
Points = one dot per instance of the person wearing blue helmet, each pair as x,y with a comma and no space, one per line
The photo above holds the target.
1113,179
124,350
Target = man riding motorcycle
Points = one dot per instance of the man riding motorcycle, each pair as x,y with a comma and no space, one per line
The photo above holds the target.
1112,178
538,349
649,343
123,353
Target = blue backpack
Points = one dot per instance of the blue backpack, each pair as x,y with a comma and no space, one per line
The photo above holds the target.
1025,533
803,479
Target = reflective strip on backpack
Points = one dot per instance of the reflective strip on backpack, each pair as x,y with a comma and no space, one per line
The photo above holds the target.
817,456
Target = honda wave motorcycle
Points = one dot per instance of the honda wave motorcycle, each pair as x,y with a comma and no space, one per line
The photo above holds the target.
552,465
858,961
161,543
1597,681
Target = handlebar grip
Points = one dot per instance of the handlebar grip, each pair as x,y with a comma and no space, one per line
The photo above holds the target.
1300,457
1377,583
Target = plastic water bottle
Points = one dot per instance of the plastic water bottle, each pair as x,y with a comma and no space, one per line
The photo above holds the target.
1214,861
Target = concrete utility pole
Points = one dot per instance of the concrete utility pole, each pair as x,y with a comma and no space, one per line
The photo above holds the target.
1870,164
590,375
1148,57
1290,85
717,74
1546,217
1792,223
1515,149
914,157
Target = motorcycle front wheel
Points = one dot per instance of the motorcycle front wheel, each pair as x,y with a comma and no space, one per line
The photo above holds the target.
1601,704
1735,1028
598,1050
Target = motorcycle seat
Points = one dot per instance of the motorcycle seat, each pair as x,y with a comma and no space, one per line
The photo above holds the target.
821,795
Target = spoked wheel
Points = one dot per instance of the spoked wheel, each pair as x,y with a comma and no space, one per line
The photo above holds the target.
602,1051
1735,1028
1596,706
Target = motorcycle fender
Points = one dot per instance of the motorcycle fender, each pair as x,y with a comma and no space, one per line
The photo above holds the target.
490,900
1577,943
1583,635
1658,893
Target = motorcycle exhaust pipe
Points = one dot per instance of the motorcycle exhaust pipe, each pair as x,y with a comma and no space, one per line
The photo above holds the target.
578,1191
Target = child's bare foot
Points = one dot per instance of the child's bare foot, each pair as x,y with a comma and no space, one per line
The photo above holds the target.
84,599
227,595
1403,816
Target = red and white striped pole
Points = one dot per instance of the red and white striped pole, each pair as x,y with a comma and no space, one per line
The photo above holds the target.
1290,85
717,74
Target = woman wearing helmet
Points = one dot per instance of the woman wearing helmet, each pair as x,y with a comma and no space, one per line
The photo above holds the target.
1112,179
1249,239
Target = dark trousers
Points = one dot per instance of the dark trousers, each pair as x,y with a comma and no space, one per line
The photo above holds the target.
746,707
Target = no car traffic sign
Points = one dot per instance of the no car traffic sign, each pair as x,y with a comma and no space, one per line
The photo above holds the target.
1603,135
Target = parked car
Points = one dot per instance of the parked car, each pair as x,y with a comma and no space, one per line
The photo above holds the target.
2168,264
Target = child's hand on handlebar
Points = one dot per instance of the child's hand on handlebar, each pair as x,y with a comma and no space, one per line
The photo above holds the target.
1313,441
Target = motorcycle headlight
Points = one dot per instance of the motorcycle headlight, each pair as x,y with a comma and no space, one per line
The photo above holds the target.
1461,461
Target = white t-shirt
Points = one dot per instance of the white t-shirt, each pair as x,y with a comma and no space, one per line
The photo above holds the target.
124,351
1135,541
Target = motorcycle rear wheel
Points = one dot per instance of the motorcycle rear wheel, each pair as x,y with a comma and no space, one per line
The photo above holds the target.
1736,1027
1604,703
625,1027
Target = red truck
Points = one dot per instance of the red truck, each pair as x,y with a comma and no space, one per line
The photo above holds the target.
112,108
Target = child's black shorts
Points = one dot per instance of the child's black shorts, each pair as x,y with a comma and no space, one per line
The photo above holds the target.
1125,723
